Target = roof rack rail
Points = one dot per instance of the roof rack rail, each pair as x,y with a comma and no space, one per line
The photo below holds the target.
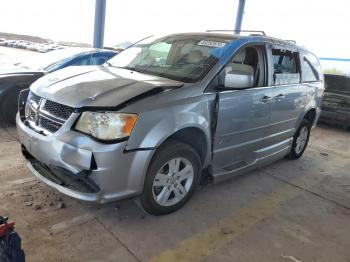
240,31
292,41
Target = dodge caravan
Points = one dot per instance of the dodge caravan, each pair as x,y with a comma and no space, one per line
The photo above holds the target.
168,113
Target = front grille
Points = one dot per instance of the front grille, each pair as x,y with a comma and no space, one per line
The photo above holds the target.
58,110
45,116
35,98
32,114
49,125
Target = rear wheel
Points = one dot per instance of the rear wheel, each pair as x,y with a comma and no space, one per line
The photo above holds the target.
171,178
300,140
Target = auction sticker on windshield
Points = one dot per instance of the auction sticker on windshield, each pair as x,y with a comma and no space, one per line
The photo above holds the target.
211,43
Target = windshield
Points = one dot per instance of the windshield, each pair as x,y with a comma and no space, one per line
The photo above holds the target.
185,58
43,61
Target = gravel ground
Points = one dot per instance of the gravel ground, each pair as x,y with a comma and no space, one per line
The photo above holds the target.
288,211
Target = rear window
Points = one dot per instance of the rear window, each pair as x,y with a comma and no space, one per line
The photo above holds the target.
311,68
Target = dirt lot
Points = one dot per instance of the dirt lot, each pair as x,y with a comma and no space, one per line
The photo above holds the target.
13,55
289,211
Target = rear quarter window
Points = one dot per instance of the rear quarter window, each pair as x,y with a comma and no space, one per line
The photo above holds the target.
311,68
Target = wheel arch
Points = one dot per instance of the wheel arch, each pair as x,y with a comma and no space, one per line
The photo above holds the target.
194,137
310,115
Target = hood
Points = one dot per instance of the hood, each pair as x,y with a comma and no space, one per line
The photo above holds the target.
97,86
16,70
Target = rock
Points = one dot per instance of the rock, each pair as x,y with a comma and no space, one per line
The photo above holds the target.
62,205
324,154
37,207
226,231
29,204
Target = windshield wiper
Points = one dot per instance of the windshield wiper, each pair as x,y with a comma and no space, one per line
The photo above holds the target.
123,67
131,68
136,69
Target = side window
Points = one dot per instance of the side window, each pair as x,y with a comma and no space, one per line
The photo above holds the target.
311,69
286,67
101,58
56,66
249,60
80,61
98,59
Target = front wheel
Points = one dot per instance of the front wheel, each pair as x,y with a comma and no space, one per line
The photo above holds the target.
9,107
171,178
300,140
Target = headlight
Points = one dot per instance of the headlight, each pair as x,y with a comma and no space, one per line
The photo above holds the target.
106,125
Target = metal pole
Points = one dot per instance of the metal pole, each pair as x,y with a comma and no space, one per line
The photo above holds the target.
100,13
239,17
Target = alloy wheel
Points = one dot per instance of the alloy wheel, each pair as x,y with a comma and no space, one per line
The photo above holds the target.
301,140
173,181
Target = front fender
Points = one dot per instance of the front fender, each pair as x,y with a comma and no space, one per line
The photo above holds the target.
154,127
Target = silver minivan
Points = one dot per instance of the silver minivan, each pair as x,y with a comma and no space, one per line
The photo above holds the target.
168,113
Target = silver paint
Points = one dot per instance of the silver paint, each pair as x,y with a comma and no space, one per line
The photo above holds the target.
254,126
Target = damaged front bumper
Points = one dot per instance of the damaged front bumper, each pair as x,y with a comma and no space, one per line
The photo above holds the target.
82,168
79,185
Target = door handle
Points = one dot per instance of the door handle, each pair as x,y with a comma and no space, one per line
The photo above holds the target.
279,97
265,99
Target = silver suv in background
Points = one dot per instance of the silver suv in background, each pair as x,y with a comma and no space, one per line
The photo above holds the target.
168,113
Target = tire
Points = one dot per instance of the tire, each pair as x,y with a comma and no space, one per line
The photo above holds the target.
300,138
9,107
163,191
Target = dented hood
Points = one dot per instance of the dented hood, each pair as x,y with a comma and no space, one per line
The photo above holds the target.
97,85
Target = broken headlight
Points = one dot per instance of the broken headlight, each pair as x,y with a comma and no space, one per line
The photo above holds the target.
106,125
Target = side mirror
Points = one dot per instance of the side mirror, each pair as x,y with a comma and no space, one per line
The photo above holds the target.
238,79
